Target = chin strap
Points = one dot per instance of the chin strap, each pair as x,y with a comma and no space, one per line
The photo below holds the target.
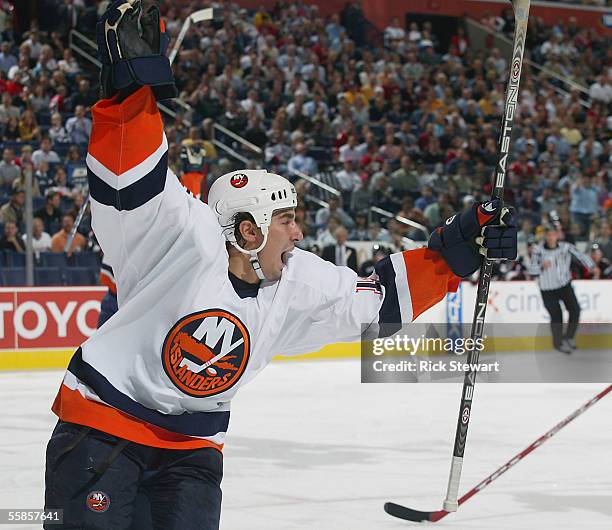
253,258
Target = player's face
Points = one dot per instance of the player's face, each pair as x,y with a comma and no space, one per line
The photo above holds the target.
282,236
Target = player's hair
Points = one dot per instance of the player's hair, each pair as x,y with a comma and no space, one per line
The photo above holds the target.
238,218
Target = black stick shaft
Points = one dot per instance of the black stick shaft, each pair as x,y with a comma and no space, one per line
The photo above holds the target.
521,14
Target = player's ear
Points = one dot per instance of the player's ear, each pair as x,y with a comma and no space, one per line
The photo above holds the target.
248,231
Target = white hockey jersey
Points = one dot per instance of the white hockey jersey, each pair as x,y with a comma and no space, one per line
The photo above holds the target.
163,370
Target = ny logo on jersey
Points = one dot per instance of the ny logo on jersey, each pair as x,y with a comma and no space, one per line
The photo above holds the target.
205,353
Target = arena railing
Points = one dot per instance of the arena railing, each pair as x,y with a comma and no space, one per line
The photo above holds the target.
401,219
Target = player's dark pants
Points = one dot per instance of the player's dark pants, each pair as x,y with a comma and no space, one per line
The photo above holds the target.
552,301
95,478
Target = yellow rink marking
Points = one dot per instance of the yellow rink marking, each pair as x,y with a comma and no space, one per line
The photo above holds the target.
33,359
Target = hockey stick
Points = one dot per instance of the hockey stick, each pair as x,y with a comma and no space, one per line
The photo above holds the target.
418,516
521,15
76,224
210,13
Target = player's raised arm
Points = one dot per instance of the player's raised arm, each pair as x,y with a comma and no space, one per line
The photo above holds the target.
336,303
138,207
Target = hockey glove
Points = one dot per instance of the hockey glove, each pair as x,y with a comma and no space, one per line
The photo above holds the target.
132,44
486,229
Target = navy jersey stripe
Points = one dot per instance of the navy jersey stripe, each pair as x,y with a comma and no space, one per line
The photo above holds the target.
134,195
187,423
389,312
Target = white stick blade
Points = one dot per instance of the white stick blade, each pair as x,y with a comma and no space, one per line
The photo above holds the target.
203,14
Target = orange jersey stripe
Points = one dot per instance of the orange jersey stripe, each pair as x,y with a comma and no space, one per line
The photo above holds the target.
125,134
105,280
71,406
429,278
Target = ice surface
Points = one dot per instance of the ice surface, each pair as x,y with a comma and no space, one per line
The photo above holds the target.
310,447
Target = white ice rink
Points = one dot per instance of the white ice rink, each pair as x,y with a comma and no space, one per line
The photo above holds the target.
310,447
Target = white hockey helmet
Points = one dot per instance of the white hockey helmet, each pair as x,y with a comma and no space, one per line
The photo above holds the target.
253,191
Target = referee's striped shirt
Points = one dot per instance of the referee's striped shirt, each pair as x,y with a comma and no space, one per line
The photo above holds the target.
558,274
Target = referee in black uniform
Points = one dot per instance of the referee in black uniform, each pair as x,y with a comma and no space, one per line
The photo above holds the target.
551,262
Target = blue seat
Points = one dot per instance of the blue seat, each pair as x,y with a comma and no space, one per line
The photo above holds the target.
13,276
53,259
15,259
2,259
48,276
81,276
87,259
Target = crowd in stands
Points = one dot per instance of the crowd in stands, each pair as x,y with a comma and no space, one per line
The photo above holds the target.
395,121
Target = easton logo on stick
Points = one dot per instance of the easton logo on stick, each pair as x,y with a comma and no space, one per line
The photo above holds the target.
206,353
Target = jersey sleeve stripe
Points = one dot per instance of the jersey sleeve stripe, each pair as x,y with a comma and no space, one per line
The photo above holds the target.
201,424
125,134
404,295
429,278
134,195
389,312
132,175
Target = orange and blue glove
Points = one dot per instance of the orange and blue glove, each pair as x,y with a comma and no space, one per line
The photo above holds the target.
487,229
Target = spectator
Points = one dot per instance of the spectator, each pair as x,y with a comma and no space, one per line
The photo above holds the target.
60,182
43,177
45,153
378,233
74,163
604,240
11,130
9,171
13,210
7,59
57,132
41,240
603,268
300,161
60,239
340,253
394,34
34,44
7,109
84,97
50,213
78,126
425,199
360,231
583,204
333,209
326,237
28,128
10,240
46,62
68,63
20,181
405,180
348,180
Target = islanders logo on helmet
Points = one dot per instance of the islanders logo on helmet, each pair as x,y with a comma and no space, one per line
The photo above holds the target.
97,501
205,353
239,180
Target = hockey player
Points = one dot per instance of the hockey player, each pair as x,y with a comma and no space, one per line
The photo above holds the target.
208,294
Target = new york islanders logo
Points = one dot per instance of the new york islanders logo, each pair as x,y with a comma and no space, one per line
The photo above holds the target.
206,353
98,501
239,180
